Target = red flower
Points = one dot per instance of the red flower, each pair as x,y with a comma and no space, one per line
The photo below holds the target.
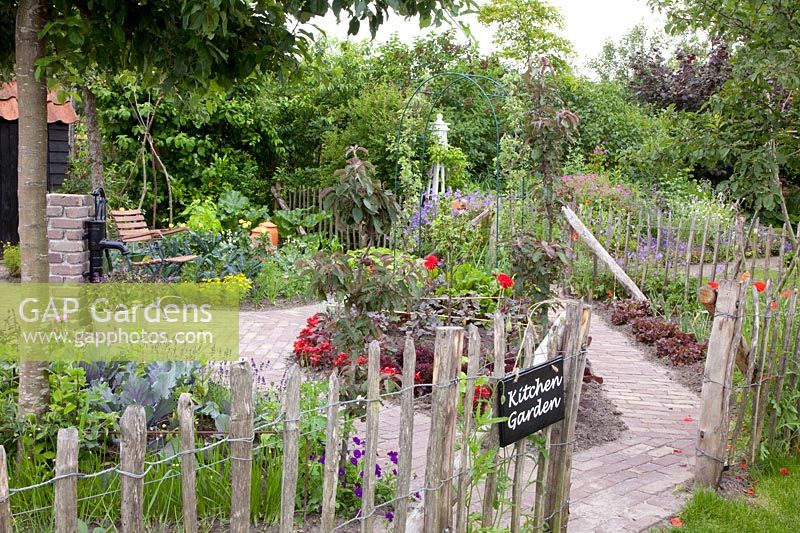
745,276
677,451
504,280
714,285
341,359
688,419
751,492
786,293
675,521
759,285
389,371
417,377
362,360
784,471
773,304
574,235
743,466
431,262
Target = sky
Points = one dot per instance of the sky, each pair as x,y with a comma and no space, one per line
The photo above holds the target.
588,24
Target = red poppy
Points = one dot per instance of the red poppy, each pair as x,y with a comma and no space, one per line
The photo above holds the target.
773,304
745,276
504,280
362,360
389,371
574,235
759,285
431,262
675,521
714,285
784,471
743,466
786,293
609,294
751,492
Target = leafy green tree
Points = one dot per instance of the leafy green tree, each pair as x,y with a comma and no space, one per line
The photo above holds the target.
751,123
526,29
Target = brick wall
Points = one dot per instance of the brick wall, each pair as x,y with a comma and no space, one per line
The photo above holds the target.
68,253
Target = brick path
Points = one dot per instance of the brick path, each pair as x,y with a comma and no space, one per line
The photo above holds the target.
627,485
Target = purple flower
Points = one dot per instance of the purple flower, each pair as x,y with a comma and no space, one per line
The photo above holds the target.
354,461
357,491
321,460
313,457
393,456
357,454
356,440
389,516
378,471
341,472
394,471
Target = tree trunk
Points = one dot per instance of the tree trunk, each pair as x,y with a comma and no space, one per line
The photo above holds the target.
93,135
32,175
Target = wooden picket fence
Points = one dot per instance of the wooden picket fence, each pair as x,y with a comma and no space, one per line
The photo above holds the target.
448,482
698,248
741,410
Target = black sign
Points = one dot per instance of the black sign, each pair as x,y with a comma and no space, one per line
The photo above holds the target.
531,400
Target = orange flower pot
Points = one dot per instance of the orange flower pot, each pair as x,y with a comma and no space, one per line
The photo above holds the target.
266,227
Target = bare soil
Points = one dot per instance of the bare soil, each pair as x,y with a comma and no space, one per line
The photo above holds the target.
690,376
599,420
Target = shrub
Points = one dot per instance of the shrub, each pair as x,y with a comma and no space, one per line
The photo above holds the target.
12,259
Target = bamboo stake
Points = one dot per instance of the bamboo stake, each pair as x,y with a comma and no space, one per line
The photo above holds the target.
406,443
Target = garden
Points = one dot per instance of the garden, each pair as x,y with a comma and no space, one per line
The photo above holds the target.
396,189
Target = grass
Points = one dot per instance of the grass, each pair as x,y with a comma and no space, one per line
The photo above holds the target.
773,508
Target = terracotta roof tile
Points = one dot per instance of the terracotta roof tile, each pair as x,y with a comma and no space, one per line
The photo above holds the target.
55,112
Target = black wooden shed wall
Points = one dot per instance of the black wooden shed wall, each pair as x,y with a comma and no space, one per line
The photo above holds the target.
57,161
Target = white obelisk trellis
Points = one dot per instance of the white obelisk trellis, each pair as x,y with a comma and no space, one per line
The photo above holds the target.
439,130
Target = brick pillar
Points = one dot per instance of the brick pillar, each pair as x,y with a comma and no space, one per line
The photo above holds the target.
68,252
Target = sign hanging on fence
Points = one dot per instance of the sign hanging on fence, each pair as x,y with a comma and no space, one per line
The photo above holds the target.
531,400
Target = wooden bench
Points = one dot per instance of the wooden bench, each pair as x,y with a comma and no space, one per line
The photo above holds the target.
132,229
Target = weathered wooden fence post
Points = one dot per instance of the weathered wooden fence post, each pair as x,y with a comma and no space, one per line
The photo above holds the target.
331,453
406,441
66,489
714,416
519,447
188,463
133,442
449,346
241,435
291,448
5,504
577,318
474,351
493,441
373,421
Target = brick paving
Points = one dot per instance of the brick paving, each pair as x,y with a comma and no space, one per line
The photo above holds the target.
627,485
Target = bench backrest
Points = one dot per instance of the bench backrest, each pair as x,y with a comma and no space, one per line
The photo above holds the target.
131,225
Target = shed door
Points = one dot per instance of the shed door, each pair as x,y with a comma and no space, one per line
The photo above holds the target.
9,213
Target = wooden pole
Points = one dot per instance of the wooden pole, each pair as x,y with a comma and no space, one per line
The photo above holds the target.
627,236
474,350
519,446
647,244
5,504
406,440
577,319
715,254
438,502
291,448
66,490
714,398
241,383
133,440
331,450
188,462
493,441
601,253
788,334
373,422
703,252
